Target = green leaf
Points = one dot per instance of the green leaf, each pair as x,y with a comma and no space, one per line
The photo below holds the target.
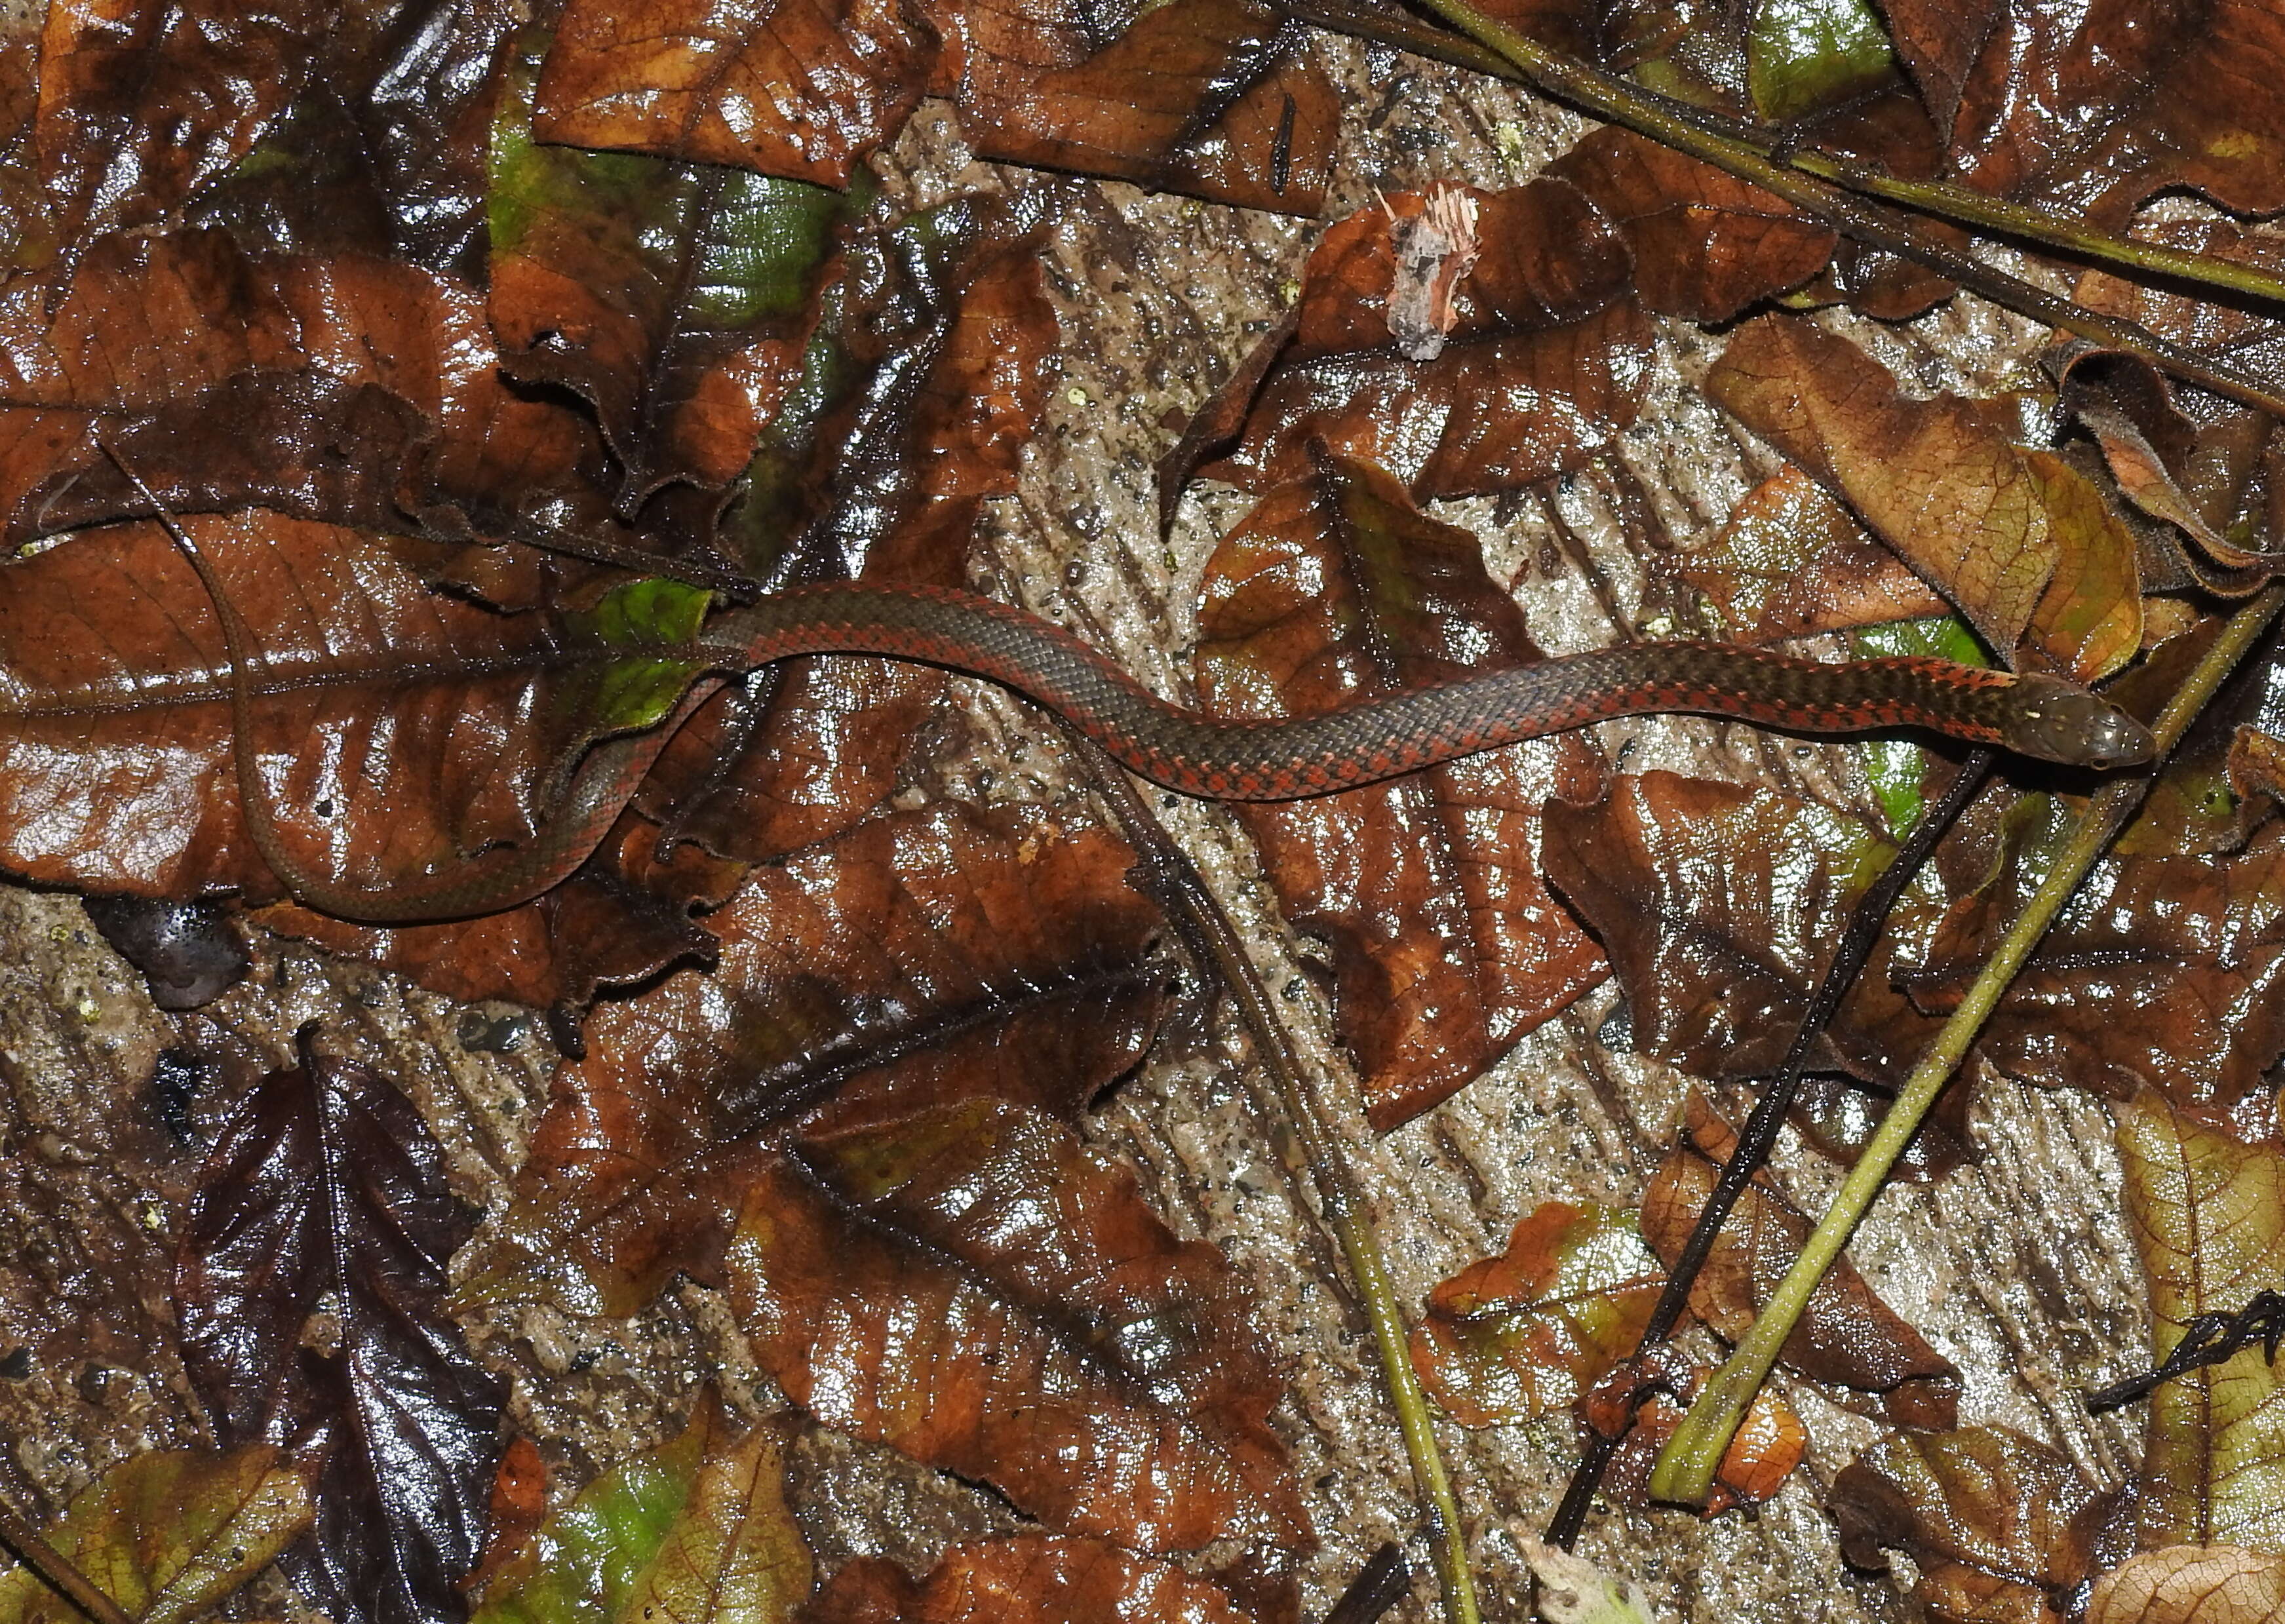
168,1535
1898,767
1804,56
694,1532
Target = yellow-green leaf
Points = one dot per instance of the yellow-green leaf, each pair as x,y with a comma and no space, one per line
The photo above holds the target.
2209,1218
168,1534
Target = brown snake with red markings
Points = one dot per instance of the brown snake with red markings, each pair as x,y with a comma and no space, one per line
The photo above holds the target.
2032,714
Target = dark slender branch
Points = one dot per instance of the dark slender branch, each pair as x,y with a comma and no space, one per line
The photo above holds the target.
1866,922
1383,1580
2206,1340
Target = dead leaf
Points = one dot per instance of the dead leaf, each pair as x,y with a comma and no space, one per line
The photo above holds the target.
2192,1584
166,1535
985,956
2001,1526
325,1194
2016,539
1527,1332
1847,1336
2208,1217
1447,945
695,1531
1792,562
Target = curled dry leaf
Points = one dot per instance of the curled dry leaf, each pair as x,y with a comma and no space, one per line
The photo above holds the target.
2000,1526
1529,1331
1029,1579
695,1531
1847,1335
2017,539
2208,1217
166,1535
2192,1584
1447,945
1544,364
1194,96
325,1191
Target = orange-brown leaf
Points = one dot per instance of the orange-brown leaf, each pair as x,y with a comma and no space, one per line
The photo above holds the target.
1447,945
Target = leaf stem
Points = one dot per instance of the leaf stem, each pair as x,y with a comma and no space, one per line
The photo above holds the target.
1684,1472
1308,1148
1866,921
57,1569
1503,51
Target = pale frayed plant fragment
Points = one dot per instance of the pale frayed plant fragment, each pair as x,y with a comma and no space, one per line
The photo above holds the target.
1573,1590
1435,250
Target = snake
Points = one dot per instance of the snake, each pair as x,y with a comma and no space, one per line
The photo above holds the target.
1362,742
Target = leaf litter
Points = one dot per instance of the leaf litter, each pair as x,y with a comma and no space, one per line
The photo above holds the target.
853,1161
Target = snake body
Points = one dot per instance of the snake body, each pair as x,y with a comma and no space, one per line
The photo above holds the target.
1188,751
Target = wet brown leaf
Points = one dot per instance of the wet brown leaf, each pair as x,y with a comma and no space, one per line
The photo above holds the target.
1526,1333
1718,905
141,104
1791,563
1847,1336
1705,246
2192,1584
2017,539
2208,1216
969,1284
997,958
326,1195
2165,972
2100,107
1204,97
1196,97
2003,1529
1028,1578
1447,945
1545,363
443,724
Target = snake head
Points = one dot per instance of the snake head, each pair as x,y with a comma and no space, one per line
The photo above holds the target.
2056,720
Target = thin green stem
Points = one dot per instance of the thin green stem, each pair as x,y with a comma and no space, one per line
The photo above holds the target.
1310,1150
1684,1472
1686,131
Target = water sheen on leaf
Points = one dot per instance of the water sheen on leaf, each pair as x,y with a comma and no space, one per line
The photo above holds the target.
168,1535
2208,1217
695,1531
2192,1584
325,1191
1447,945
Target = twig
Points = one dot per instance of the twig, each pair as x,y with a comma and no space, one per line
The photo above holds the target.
1620,102
59,1570
1379,1585
1866,921
2206,1340
1307,1145
1684,1472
